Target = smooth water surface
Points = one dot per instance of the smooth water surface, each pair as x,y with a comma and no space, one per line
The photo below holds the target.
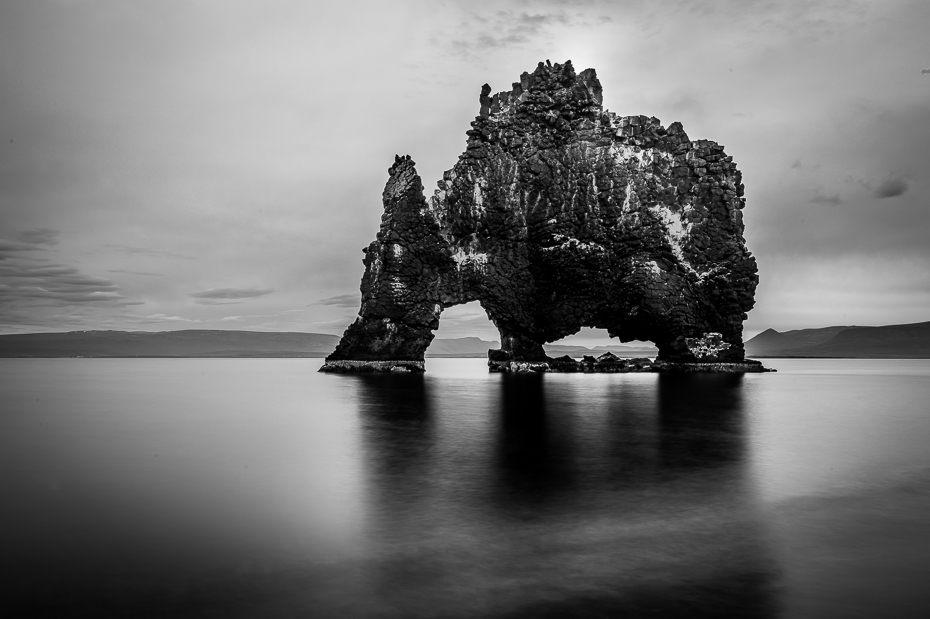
261,488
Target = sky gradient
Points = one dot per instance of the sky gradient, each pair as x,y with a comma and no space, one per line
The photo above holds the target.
205,164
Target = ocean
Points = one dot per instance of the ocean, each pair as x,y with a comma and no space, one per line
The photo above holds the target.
261,488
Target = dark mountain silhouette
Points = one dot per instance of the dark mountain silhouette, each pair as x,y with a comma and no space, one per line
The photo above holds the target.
891,341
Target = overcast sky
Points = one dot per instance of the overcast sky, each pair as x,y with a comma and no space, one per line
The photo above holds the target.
212,164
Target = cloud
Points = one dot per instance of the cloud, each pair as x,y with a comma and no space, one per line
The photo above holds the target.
352,300
228,296
9,247
232,293
134,272
820,198
166,318
924,71
28,240
39,236
251,317
890,187
505,29
538,20
796,165
57,285
144,251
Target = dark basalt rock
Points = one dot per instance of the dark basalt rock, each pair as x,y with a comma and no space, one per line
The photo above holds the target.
566,364
561,215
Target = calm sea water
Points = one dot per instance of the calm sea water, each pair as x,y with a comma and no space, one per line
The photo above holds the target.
261,488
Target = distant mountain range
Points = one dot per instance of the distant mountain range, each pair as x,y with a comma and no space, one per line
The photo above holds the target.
888,342
460,347
215,343
475,347
893,341
557,350
187,343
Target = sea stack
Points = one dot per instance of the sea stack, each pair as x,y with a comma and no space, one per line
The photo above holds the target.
561,215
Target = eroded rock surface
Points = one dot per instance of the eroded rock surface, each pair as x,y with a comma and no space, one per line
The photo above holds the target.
561,215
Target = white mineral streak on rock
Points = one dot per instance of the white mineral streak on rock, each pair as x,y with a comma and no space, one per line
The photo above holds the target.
397,250
675,231
667,159
628,196
463,257
436,202
571,242
595,191
376,266
396,286
654,267
710,345
436,205
478,196
625,153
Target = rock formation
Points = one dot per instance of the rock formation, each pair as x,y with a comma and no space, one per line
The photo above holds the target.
560,215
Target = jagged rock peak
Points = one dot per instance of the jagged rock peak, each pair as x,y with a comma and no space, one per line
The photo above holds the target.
401,161
551,87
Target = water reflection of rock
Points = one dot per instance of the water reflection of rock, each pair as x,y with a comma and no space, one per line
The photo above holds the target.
627,496
702,421
535,459
397,429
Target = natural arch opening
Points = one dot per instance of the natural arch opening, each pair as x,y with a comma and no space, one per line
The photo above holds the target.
599,342
464,331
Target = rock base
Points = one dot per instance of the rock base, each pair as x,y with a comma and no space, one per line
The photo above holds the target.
605,364
748,366
358,367
611,364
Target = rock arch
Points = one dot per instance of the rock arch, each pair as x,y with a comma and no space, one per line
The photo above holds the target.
560,215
